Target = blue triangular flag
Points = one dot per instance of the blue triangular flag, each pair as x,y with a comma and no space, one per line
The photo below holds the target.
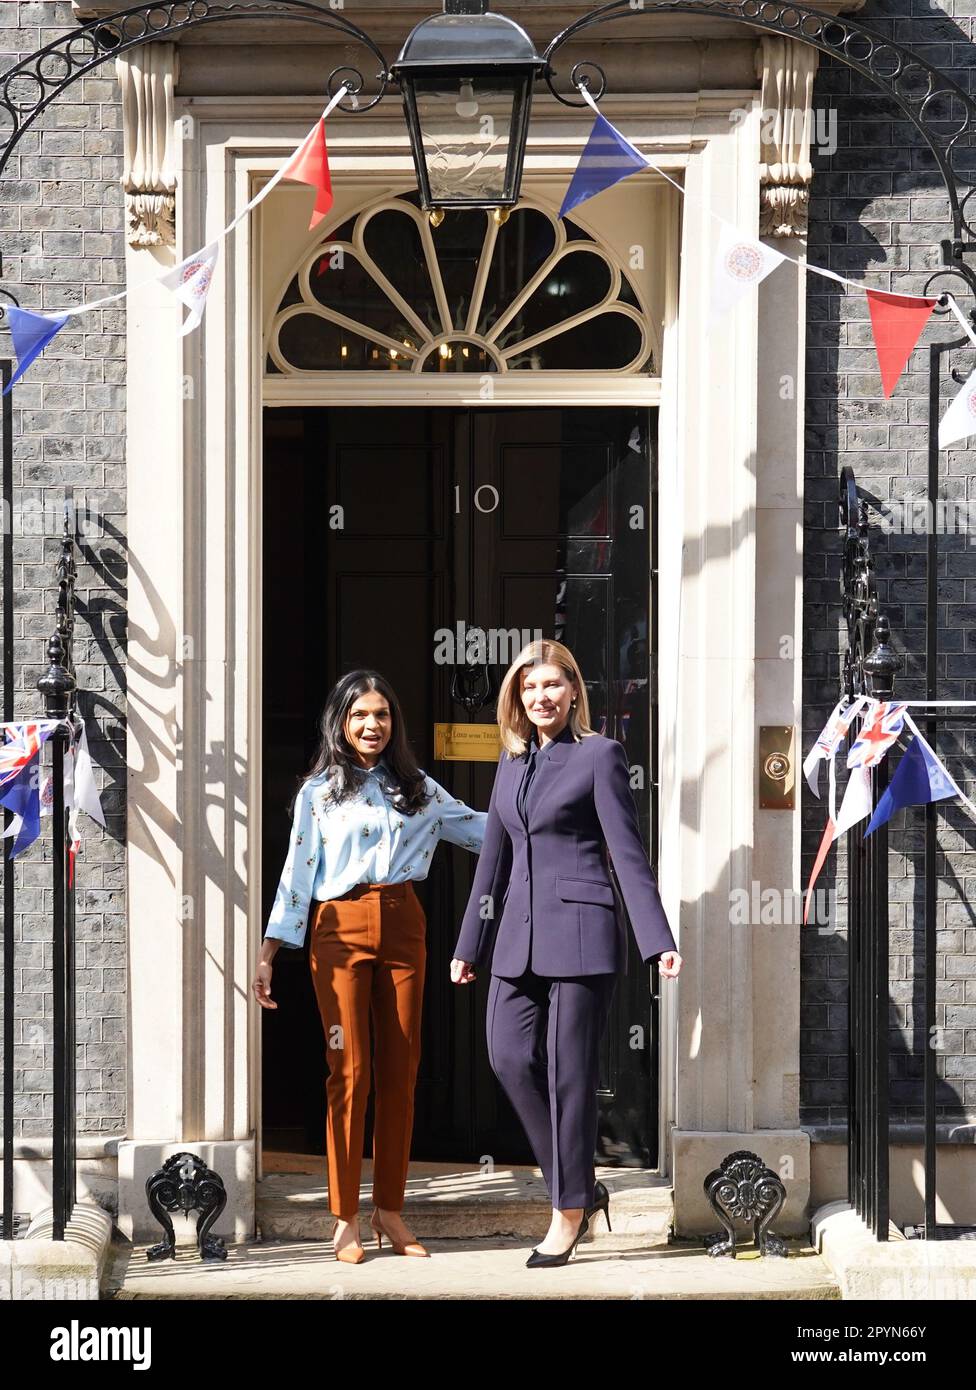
607,158
22,796
31,334
920,778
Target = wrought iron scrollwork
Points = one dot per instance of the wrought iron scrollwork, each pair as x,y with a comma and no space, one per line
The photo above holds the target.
743,1188
29,88
869,661
7,294
185,1183
58,683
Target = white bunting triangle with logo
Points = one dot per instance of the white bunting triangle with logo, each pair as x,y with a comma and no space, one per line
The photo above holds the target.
740,263
190,281
959,421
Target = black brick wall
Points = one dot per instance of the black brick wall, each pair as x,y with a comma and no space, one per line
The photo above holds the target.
61,238
878,210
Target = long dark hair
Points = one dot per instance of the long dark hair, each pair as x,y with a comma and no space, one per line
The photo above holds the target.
334,753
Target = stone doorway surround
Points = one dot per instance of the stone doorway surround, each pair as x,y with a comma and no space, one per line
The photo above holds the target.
730,466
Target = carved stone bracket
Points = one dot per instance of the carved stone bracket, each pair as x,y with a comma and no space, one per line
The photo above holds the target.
787,69
147,76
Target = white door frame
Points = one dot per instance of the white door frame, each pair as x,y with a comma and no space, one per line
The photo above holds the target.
464,391
194,652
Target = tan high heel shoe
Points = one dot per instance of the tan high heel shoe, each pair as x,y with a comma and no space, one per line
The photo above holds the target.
414,1248
350,1254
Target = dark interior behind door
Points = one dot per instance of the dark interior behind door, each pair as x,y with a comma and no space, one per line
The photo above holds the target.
535,519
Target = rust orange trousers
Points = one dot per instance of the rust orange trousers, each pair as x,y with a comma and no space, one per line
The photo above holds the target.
368,955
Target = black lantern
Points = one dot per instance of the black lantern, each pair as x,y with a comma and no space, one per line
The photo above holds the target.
466,76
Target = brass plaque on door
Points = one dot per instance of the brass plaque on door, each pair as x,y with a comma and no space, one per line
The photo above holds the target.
777,767
467,743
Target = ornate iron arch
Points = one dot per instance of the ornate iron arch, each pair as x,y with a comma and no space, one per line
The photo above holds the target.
939,109
27,89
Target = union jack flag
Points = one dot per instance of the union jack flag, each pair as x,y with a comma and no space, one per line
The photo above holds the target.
882,726
20,767
831,735
22,743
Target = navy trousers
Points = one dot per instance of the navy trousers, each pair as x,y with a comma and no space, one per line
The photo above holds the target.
543,1045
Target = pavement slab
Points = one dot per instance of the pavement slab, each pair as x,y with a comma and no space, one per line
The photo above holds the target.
470,1269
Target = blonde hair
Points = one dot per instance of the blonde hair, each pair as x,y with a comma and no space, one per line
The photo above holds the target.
514,724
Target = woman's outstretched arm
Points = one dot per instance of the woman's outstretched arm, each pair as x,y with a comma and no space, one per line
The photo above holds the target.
494,867
458,823
289,914
617,812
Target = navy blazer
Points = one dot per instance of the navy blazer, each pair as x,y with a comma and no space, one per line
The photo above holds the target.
548,873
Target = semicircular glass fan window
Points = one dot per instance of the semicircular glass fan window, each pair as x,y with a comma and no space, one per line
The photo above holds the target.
387,292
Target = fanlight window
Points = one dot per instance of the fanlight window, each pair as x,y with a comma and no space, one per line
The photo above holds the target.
387,292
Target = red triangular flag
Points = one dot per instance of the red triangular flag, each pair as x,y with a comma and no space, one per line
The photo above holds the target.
897,321
825,843
310,164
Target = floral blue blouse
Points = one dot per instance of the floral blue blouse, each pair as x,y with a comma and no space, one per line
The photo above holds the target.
363,840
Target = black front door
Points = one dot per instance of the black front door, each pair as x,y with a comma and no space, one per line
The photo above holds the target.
429,544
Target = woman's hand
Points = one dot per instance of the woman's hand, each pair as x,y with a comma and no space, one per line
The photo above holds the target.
261,984
461,972
669,964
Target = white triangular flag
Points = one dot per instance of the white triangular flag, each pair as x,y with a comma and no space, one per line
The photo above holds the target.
190,281
959,421
740,263
824,747
69,795
857,801
84,793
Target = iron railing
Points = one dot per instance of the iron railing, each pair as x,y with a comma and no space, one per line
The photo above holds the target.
58,686
870,666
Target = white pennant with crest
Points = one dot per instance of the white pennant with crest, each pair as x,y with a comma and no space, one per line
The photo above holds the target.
190,281
740,263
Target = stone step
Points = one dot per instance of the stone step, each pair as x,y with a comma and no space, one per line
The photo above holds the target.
457,1202
467,1269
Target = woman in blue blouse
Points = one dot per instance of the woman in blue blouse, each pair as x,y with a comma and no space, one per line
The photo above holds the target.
365,825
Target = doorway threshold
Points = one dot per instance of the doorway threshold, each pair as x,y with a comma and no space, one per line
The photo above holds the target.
463,1201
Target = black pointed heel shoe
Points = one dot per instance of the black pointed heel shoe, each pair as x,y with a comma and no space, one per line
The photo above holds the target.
537,1260
601,1203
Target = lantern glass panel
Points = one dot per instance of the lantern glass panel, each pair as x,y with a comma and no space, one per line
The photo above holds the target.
466,130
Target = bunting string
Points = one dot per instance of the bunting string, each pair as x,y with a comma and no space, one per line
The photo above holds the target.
802,263
190,280
742,261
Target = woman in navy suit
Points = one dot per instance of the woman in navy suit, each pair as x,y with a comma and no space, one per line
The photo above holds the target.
561,800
